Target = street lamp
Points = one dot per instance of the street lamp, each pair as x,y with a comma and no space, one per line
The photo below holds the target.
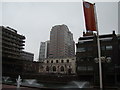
108,59
103,59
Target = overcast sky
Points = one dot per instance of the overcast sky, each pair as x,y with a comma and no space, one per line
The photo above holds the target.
34,20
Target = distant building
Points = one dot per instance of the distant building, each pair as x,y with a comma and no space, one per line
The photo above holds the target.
30,67
44,50
87,52
61,42
27,56
59,66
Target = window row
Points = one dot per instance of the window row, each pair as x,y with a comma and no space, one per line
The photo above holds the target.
62,61
85,68
84,49
54,68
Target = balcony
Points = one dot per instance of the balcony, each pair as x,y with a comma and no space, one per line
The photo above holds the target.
22,44
12,44
11,49
13,40
21,47
12,37
11,52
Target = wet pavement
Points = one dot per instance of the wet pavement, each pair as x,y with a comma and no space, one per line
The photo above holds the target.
13,87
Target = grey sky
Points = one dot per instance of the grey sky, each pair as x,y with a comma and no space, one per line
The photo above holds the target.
35,20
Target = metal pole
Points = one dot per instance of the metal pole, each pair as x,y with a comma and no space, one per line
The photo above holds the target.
99,52
99,57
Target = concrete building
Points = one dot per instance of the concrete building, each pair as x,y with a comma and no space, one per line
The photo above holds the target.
61,42
44,50
13,56
27,56
87,62
12,43
59,65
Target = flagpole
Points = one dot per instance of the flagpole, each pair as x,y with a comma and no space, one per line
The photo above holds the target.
98,42
99,51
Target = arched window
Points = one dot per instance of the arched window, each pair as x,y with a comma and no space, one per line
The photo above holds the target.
47,68
68,61
62,61
47,61
52,61
62,68
56,61
54,68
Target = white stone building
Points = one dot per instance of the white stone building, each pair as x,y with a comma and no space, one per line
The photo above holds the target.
60,65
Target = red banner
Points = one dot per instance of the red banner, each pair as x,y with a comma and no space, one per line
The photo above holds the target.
89,16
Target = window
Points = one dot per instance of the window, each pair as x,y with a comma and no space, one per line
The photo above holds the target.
54,68
81,59
62,68
52,61
62,61
47,68
90,48
56,61
82,68
68,61
108,47
90,68
81,49
103,48
47,61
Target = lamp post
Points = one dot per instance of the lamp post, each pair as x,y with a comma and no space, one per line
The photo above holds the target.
104,59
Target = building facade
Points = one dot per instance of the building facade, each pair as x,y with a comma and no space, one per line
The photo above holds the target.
87,58
12,43
59,66
61,42
13,56
27,56
44,50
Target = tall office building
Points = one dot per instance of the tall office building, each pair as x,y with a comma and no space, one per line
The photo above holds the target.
61,42
44,50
